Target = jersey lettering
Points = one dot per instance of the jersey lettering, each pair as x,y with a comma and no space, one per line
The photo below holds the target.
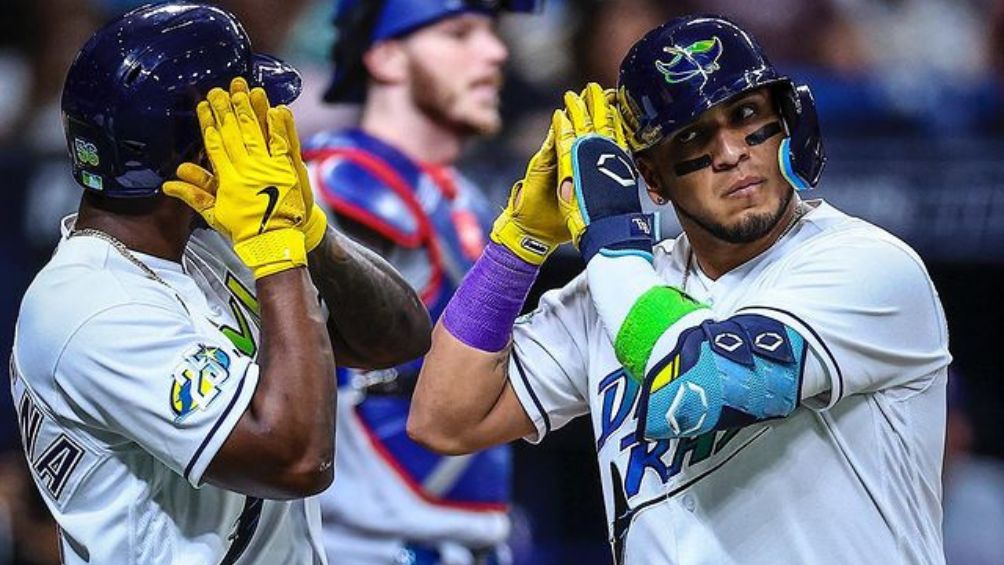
30,422
615,390
241,301
667,458
56,465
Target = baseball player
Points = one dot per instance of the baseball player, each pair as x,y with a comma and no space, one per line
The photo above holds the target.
427,75
173,382
769,387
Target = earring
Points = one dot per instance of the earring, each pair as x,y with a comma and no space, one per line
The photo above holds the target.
660,200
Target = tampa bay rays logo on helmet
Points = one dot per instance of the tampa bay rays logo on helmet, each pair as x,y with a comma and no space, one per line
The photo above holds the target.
699,59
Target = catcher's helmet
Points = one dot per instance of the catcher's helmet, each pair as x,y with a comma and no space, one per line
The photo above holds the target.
361,23
689,64
130,94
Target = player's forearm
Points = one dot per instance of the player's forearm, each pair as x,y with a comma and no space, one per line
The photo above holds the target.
376,320
457,390
294,404
462,402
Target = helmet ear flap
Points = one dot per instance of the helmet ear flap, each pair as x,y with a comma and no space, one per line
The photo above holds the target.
801,155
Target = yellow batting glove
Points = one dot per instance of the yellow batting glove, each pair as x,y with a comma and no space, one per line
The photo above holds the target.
317,221
604,114
316,224
593,112
565,136
257,203
573,123
531,225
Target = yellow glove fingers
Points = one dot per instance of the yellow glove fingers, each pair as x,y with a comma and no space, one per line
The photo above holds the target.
239,84
226,124
316,224
194,174
289,127
278,145
197,197
259,102
545,159
564,138
620,128
578,114
596,106
248,123
217,154
205,115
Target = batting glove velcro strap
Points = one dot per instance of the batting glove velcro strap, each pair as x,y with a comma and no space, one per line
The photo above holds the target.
273,251
626,234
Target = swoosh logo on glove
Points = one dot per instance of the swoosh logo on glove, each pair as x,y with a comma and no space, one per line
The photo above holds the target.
273,198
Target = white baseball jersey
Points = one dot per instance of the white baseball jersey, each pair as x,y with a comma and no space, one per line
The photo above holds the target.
853,475
126,389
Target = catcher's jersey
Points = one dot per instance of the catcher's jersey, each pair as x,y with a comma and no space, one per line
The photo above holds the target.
852,476
126,389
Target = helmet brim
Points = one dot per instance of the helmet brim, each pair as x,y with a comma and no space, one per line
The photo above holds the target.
281,81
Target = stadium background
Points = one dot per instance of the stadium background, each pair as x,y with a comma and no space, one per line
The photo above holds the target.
911,100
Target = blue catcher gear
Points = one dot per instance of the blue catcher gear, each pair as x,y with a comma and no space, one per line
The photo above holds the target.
130,95
689,64
359,24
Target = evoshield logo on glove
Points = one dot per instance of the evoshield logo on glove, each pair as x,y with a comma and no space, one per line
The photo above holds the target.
627,180
700,58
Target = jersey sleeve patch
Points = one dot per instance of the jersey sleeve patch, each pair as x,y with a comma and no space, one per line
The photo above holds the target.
198,379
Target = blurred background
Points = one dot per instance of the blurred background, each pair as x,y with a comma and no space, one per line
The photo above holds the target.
911,100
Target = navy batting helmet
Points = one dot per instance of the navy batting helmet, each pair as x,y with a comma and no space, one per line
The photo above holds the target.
359,24
689,64
130,95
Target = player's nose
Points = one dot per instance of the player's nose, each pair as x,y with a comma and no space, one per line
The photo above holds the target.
491,47
729,148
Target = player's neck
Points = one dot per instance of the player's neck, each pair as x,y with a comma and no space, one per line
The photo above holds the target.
717,257
159,227
395,120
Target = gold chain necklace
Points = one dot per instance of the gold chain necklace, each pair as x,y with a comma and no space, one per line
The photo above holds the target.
801,209
123,250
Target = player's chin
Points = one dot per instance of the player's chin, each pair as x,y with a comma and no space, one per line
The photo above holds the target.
480,120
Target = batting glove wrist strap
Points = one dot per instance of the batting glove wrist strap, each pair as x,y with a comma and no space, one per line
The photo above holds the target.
614,236
273,252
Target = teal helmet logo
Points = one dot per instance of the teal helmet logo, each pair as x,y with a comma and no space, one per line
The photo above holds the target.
699,59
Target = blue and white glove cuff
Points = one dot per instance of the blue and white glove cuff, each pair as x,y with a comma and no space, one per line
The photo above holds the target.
616,236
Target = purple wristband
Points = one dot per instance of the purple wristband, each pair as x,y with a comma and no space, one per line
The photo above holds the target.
483,309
